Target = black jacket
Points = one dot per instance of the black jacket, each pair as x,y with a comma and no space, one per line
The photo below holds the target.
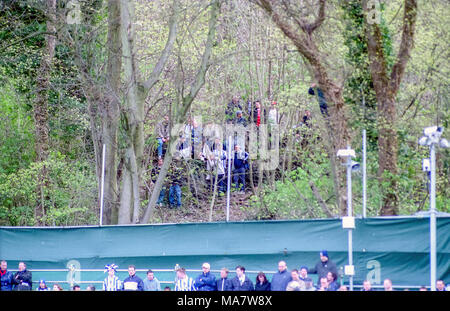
262,287
22,280
322,269
246,286
227,286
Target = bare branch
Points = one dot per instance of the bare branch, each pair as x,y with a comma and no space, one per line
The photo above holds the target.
154,76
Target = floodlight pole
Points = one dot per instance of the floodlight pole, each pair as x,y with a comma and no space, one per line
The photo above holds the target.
350,214
102,187
364,177
229,178
432,217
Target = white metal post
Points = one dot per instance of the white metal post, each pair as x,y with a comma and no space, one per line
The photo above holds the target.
349,214
102,187
433,217
229,178
364,177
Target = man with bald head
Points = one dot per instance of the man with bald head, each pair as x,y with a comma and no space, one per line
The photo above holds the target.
280,279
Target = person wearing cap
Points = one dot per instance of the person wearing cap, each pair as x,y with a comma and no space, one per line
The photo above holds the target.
22,279
324,266
6,277
240,120
111,282
42,286
206,281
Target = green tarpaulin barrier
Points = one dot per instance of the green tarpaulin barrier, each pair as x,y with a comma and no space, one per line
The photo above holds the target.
395,248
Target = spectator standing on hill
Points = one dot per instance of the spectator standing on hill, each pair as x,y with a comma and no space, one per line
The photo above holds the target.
132,282
111,282
22,279
206,281
324,266
224,284
262,284
151,283
280,279
241,282
162,134
239,168
313,90
231,109
6,277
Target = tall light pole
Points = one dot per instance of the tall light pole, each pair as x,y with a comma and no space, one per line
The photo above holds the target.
431,138
349,221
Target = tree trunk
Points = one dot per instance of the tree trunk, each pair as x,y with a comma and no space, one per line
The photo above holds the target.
181,114
386,88
40,108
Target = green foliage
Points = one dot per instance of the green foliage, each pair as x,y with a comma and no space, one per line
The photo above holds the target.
69,194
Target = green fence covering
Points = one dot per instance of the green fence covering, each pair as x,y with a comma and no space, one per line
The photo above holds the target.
395,248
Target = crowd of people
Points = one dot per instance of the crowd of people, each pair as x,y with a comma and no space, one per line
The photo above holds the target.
282,280
210,148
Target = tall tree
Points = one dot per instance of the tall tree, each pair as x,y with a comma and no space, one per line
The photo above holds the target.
184,106
301,33
136,91
386,85
40,107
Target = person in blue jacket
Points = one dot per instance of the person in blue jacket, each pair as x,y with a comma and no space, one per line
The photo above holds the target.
133,282
206,281
281,279
241,282
224,284
240,166
6,277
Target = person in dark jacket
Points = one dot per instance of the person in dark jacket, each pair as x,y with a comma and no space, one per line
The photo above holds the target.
6,277
333,285
262,284
239,167
324,266
224,284
281,279
176,173
241,282
206,281
133,282
22,279
321,98
231,109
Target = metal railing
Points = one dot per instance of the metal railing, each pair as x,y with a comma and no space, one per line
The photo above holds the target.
72,282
